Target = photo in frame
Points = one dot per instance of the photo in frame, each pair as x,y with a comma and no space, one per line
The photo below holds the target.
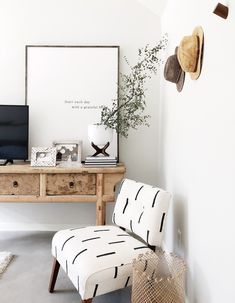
43,156
68,152
66,87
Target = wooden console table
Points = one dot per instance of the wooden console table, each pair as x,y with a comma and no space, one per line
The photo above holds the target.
23,183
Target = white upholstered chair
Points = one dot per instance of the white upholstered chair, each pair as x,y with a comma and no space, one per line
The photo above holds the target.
98,259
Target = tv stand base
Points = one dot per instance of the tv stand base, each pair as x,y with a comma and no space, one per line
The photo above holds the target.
4,162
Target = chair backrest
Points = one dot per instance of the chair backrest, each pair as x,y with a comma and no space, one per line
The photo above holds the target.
142,209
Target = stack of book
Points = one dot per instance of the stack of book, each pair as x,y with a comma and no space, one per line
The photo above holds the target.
95,161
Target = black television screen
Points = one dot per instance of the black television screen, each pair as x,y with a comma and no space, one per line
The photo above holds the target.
14,132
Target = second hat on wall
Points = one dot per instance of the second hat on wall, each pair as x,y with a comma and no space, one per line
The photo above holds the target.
173,71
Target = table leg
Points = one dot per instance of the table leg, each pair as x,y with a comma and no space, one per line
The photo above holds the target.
99,203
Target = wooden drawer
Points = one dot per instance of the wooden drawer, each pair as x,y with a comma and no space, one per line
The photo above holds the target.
19,184
71,184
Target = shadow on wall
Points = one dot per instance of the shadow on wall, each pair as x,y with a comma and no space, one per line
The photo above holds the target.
180,225
180,245
180,235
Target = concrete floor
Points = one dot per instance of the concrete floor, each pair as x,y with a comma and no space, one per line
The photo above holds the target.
26,278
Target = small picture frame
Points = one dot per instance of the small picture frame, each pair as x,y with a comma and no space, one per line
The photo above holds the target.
68,153
43,156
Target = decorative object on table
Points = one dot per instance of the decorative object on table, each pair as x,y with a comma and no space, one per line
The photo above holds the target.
158,277
173,71
43,156
221,10
80,80
96,161
5,259
129,111
68,153
100,137
190,53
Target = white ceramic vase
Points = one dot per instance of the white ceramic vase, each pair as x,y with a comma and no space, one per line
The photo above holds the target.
99,134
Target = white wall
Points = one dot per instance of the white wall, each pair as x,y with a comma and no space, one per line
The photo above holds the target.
198,153
76,22
156,6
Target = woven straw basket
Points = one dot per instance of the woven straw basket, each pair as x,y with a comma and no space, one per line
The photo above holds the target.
158,277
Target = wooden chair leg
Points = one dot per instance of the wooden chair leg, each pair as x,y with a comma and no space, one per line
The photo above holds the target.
86,301
54,273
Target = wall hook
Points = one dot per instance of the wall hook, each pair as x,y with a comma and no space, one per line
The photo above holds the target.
221,10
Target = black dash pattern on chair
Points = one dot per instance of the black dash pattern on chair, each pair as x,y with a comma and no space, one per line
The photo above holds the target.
66,242
95,290
90,239
124,209
140,217
131,226
139,247
147,238
138,192
116,242
154,199
127,282
115,272
66,266
98,230
82,251
106,254
77,228
162,221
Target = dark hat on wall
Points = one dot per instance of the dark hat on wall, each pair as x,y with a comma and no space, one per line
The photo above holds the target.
190,53
173,71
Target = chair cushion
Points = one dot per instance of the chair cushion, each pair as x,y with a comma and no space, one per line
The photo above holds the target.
142,209
97,259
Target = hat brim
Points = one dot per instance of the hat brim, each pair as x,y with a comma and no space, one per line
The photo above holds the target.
198,31
180,83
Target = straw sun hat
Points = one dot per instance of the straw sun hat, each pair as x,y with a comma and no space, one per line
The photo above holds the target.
190,52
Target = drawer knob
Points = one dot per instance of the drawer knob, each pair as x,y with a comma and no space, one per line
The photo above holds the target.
15,184
71,184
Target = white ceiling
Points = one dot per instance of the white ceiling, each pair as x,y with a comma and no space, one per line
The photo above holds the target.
156,6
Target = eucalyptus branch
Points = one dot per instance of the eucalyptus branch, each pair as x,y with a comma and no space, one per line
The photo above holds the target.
130,111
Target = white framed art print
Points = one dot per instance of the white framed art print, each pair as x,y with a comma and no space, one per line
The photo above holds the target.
66,89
